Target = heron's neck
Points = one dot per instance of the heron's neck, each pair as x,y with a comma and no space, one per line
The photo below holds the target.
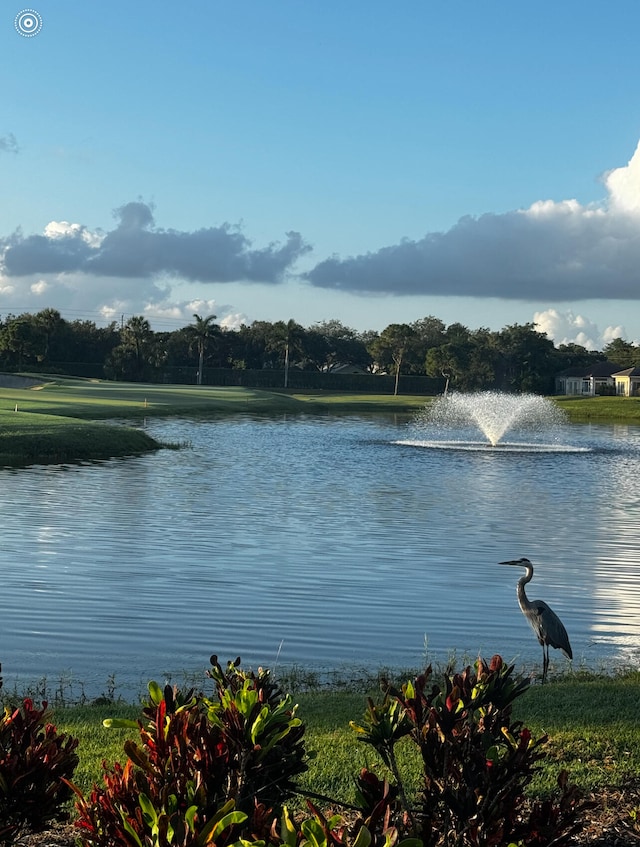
523,600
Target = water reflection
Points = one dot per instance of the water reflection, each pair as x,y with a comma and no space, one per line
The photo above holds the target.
320,541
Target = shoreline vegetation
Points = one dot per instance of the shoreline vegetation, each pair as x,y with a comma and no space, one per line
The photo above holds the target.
589,722
62,420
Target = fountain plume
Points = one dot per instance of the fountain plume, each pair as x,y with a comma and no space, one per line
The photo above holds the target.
492,414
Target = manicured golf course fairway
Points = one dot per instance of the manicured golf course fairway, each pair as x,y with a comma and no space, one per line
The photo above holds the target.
55,419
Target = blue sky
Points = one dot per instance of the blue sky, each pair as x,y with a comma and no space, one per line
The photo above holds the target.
365,161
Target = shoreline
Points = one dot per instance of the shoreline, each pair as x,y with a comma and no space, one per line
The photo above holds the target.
52,420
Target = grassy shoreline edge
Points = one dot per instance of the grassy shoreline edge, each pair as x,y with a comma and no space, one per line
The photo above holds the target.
58,419
61,419
590,720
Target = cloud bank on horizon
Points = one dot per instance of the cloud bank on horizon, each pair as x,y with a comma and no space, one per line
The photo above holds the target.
551,252
136,249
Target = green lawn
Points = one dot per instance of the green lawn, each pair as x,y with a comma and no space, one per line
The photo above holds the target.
56,420
26,436
611,409
82,398
33,438
591,722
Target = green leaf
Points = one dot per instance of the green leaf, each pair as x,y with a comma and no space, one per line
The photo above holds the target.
223,818
314,833
155,692
228,820
120,723
131,831
148,810
190,817
363,838
287,829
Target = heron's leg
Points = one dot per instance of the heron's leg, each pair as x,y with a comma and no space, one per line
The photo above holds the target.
545,662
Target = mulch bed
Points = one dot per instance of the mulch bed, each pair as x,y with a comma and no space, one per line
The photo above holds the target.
611,823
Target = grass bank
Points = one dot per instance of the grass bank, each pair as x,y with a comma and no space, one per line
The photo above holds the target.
609,409
95,399
30,438
49,422
42,423
101,399
591,721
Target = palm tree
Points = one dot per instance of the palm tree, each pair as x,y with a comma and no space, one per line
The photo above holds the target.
50,321
288,337
202,331
135,335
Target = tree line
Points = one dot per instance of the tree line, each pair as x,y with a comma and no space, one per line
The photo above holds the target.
515,358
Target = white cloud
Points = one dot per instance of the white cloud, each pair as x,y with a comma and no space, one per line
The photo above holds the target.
40,287
567,328
182,313
64,229
109,299
112,312
623,186
612,332
234,321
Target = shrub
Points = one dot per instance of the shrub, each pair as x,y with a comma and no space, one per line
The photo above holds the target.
35,761
205,768
476,763
321,831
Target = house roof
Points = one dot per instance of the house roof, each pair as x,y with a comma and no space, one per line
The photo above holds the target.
635,371
346,368
597,369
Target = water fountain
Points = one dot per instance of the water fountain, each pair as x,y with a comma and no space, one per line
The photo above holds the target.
530,423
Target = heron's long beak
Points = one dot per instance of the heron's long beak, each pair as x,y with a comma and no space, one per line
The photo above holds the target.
513,562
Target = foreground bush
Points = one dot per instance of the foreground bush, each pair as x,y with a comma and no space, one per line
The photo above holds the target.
206,769
35,762
221,769
476,763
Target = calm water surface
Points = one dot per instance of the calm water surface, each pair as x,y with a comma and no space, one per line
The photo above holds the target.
322,542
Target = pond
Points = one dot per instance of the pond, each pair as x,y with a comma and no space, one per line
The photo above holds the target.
318,543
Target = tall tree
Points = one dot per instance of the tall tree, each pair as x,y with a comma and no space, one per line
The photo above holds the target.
337,344
21,340
202,332
51,323
83,341
288,338
622,353
390,348
528,359
128,360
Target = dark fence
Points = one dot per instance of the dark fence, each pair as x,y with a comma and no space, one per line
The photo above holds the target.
304,380
89,370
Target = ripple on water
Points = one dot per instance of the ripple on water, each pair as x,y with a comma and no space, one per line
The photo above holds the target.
318,542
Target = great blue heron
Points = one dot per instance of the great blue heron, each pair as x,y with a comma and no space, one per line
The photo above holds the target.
547,626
